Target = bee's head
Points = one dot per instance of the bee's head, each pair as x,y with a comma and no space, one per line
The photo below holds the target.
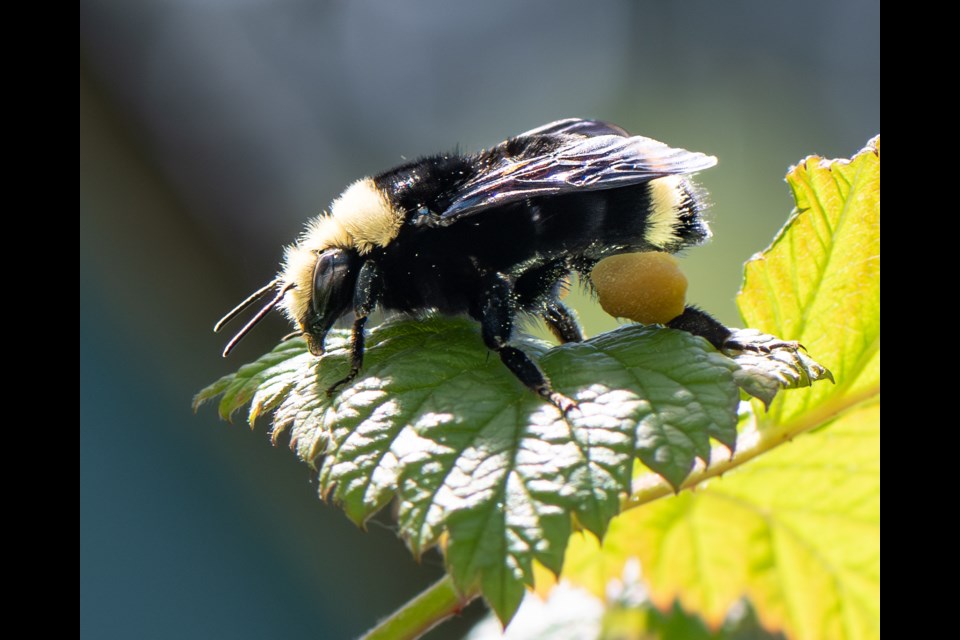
322,281
330,294
319,275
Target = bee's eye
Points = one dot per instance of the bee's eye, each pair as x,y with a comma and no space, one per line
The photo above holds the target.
334,277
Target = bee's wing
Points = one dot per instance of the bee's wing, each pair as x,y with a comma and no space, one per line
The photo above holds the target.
578,164
578,127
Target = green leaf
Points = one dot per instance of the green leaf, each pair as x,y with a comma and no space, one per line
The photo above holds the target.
797,529
467,451
238,389
772,364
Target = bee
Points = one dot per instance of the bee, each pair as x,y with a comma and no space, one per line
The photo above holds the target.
491,235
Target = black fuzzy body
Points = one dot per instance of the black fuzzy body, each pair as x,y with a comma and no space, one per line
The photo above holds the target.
534,243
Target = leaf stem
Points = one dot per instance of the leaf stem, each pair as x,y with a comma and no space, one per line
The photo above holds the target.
428,609
751,443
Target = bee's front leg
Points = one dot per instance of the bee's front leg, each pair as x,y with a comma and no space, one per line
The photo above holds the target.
366,296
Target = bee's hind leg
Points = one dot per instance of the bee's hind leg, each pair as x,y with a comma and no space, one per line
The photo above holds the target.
700,323
562,322
539,289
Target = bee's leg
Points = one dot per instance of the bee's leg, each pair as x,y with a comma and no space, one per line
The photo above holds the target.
700,323
497,312
366,296
539,289
562,322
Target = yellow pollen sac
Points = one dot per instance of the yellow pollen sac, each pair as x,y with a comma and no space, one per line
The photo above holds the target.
645,287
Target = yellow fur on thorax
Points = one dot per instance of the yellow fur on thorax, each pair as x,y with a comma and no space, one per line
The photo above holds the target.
361,218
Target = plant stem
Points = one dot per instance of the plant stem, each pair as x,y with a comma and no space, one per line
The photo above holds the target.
751,443
431,607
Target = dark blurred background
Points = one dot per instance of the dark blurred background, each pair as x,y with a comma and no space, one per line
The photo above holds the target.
210,131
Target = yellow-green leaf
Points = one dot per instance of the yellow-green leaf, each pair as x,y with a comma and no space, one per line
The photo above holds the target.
819,282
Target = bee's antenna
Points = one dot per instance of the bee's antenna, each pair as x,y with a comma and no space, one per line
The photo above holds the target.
257,318
291,336
253,297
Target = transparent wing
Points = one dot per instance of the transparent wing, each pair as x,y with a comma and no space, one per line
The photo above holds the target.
576,164
578,127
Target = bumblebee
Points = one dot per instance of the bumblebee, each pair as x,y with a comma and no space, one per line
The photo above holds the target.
492,235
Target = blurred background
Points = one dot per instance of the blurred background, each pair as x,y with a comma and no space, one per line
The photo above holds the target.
210,131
